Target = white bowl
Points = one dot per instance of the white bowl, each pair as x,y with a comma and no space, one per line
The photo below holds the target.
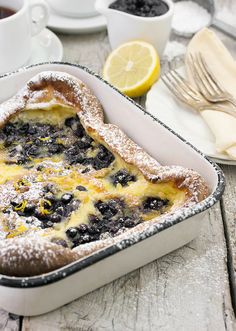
40,294
123,27
74,8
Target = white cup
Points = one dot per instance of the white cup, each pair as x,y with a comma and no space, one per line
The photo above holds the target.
123,27
17,30
74,8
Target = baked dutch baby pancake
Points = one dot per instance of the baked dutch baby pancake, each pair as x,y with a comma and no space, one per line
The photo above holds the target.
71,184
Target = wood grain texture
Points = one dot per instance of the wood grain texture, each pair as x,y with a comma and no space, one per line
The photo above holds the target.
228,206
185,290
9,322
88,50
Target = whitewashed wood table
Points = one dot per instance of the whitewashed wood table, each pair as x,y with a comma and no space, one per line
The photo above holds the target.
191,289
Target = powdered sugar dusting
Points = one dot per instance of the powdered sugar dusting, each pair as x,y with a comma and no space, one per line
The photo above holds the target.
32,256
50,88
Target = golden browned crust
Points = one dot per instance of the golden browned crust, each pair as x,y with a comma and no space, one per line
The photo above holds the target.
32,256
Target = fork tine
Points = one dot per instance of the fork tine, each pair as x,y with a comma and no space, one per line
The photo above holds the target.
172,88
185,85
183,90
206,74
179,87
210,74
199,77
218,88
173,84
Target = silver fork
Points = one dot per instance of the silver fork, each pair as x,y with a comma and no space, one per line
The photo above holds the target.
181,88
207,82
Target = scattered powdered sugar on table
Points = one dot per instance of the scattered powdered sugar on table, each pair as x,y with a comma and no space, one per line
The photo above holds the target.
174,49
226,15
189,17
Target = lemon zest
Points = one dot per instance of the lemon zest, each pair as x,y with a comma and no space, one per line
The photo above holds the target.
42,209
21,206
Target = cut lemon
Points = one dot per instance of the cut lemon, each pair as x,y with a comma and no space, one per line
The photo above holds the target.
133,67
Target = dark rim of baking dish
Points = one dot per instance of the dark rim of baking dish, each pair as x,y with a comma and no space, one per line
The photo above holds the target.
59,274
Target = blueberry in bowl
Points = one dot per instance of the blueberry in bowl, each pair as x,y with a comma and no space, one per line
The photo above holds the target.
144,8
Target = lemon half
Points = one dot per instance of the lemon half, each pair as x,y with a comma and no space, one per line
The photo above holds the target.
133,67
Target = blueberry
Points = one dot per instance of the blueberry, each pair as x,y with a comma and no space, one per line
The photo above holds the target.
12,152
60,210
79,132
73,150
29,209
85,142
9,129
55,148
32,129
107,209
74,156
22,159
40,167
103,159
82,228
44,130
129,223
32,151
2,135
93,219
71,233
14,203
70,121
84,171
41,216
122,177
155,203
47,224
145,8
82,239
23,128
85,238
9,141
81,188
49,188
93,229
114,229
103,153
66,198
55,218
75,125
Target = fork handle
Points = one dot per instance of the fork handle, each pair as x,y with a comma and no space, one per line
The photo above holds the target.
230,112
232,101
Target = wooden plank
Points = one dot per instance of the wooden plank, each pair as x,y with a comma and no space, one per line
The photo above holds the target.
229,212
185,290
228,204
9,322
88,50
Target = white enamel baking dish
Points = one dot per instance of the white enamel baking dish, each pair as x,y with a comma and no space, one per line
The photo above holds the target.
38,295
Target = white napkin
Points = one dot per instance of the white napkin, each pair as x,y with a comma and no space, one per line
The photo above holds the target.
223,66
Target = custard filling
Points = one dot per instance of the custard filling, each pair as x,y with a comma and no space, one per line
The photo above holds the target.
59,181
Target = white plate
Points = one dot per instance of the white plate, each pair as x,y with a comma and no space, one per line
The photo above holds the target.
76,25
46,47
186,122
